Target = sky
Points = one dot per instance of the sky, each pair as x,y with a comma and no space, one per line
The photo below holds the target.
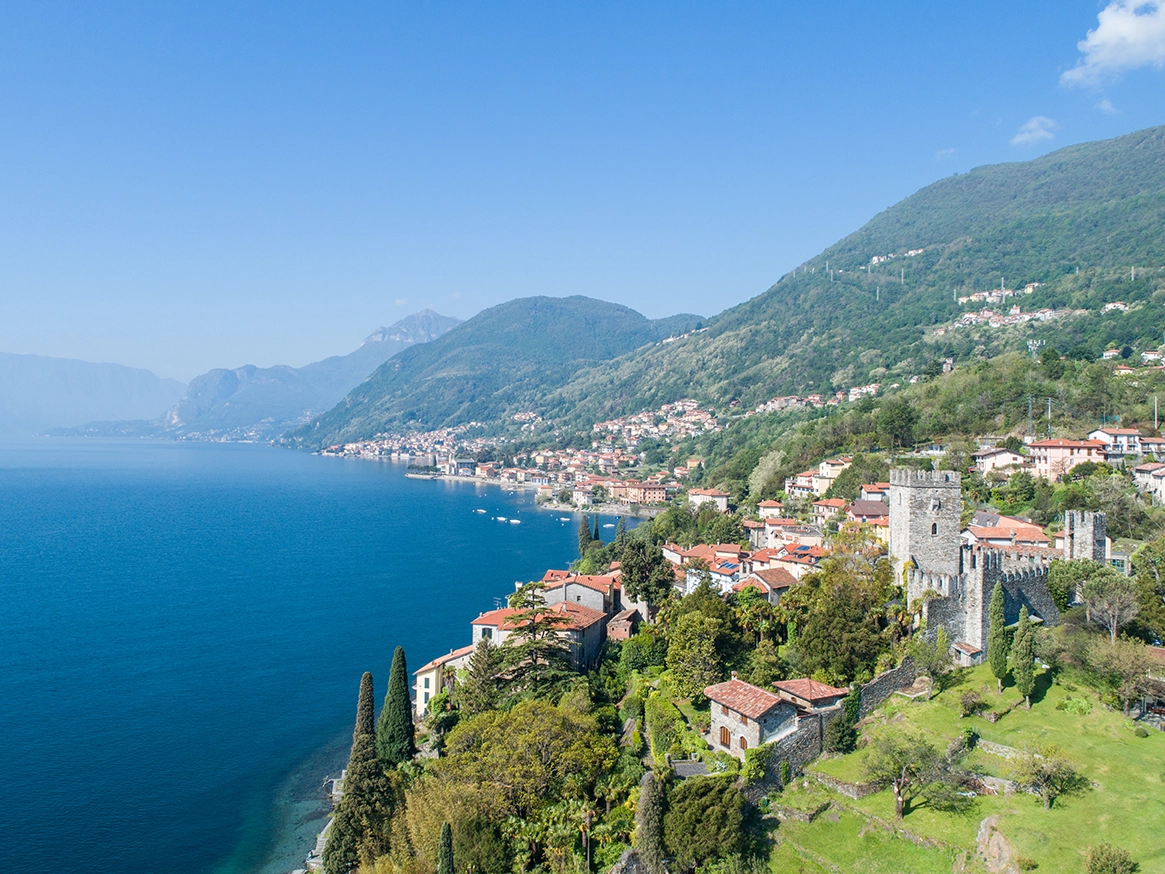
194,185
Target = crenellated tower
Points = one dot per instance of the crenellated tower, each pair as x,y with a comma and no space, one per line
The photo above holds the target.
925,507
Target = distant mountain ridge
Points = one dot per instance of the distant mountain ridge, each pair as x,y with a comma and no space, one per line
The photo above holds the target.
503,360
260,403
1074,220
38,393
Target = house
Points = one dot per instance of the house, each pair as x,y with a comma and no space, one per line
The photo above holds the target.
582,496
966,655
875,492
1008,535
767,509
826,509
1110,354
597,592
801,485
827,472
987,460
745,716
623,625
698,497
1053,458
808,694
801,559
771,582
780,532
1118,442
756,533
867,511
583,629
433,678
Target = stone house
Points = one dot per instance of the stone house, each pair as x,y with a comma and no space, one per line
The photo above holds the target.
745,716
808,694
436,676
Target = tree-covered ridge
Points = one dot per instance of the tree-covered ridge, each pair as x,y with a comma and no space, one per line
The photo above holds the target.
839,321
503,360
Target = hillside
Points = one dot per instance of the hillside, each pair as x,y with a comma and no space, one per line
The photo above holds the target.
262,402
1096,207
503,360
39,393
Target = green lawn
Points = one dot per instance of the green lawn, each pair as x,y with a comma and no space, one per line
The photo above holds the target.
1126,806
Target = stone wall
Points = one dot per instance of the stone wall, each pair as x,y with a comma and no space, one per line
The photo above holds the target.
886,684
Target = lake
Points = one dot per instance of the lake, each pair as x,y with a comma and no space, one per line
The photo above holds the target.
186,626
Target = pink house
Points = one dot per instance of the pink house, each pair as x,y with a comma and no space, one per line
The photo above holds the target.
1051,459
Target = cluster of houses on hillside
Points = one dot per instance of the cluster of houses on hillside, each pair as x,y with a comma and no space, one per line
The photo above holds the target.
1014,316
1052,458
670,422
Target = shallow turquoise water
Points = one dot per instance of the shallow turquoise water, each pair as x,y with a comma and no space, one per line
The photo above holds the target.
185,629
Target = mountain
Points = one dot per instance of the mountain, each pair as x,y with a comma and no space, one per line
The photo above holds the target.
502,361
39,393
259,403
1075,220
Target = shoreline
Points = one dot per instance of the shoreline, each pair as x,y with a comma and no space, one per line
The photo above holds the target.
638,511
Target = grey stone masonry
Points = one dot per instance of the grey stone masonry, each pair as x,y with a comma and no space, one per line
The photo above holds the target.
925,506
1084,535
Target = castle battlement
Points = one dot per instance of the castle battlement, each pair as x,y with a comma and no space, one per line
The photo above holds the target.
911,478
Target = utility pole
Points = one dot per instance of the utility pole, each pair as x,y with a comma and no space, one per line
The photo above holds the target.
1049,417
877,293
1030,427
1154,412
903,276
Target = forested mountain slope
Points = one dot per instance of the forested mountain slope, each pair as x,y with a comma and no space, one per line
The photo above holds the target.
840,320
503,360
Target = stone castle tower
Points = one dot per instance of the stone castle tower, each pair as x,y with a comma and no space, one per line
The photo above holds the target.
955,580
925,506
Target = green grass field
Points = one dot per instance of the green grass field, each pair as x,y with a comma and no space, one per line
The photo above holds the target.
1124,807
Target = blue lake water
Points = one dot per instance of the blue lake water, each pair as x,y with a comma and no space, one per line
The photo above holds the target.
185,626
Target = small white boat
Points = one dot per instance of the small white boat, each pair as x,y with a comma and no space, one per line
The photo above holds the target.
608,525
515,521
563,518
502,519
479,511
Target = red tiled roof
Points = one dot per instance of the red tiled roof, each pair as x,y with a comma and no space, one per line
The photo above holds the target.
1021,534
869,508
777,578
829,502
809,690
553,576
1067,444
445,659
745,698
773,504
580,616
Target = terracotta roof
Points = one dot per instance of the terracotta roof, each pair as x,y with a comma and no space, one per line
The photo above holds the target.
967,648
869,508
809,690
579,616
777,578
774,504
1058,443
1021,534
709,493
781,522
445,659
1116,431
552,576
745,698
830,502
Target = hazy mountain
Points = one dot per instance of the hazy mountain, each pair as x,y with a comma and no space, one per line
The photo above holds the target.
503,360
38,393
257,403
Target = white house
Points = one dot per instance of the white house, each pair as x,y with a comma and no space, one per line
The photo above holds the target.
433,678
698,497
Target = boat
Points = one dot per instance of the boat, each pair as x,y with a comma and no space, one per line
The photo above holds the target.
515,521
479,511
608,525
502,519
563,518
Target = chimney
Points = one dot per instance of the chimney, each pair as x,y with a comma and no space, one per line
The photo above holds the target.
734,675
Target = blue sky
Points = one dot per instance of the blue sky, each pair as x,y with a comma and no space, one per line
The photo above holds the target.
184,186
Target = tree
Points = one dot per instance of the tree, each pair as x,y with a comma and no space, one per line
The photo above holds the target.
479,692
395,733
841,735
536,658
647,575
1066,578
360,830
597,537
445,850
932,658
1111,600
692,656
704,822
1125,666
340,853
896,420
905,763
1046,770
584,537
1023,657
997,636
620,536
649,814
1106,859
365,708
528,754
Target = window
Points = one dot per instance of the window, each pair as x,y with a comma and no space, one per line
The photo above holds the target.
724,709
744,719
934,528
426,682
725,737
743,743
487,633
426,697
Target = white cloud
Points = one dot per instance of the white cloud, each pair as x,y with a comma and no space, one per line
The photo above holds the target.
1129,34
1034,129
401,301
942,153
1107,108
456,295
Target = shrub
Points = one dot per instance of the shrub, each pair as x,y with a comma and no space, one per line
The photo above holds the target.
1141,731
1106,859
1075,706
1026,864
970,704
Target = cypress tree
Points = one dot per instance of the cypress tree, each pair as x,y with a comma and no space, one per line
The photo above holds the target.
365,708
997,636
1023,657
445,850
597,536
620,536
649,824
395,737
584,537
